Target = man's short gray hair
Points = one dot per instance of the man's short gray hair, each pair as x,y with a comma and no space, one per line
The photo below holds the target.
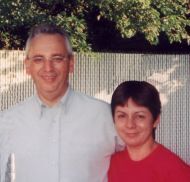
48,29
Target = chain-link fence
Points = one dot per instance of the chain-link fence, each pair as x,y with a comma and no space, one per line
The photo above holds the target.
98,74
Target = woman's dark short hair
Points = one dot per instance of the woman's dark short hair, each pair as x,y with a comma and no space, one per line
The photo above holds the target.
141,92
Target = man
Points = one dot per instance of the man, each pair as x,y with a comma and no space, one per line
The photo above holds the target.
57,135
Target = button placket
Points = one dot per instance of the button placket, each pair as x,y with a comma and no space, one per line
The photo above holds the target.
54,146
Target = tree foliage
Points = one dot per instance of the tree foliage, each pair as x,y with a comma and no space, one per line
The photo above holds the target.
149,17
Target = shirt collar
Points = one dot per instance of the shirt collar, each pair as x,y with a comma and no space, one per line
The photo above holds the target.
62,103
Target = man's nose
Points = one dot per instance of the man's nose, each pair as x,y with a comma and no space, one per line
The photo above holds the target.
48,65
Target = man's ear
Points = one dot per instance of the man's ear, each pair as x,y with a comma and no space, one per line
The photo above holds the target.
156,123
27,66
71,64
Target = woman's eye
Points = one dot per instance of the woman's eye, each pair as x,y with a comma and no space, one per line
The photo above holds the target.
121,116
141,117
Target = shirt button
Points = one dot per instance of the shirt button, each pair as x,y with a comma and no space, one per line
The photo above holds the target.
54,140
53,163
53,121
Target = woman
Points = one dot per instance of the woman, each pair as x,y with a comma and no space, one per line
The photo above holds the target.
136,111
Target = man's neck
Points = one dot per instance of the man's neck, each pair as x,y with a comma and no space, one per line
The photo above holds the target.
50,99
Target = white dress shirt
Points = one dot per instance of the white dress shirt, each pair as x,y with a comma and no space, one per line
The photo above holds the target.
70,142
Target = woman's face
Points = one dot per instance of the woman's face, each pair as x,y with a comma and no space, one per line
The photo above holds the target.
134,124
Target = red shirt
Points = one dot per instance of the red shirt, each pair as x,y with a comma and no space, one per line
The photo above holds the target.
160,166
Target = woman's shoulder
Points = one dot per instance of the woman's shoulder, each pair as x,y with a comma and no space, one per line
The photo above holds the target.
170,159
118,157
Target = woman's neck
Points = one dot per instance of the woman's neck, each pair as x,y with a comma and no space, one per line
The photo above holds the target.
137,153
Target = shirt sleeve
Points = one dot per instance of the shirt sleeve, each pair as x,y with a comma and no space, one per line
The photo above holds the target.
182,173
3,146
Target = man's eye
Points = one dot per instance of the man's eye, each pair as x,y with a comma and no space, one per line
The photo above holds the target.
37,60
57,59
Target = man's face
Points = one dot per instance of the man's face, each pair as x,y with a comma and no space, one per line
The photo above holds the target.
49,64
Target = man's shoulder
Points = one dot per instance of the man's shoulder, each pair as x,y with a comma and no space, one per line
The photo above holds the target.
89,100
22,106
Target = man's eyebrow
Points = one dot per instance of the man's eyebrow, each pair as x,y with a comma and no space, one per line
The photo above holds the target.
37,55
58,54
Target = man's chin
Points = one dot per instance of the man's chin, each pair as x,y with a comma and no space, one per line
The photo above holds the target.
47,89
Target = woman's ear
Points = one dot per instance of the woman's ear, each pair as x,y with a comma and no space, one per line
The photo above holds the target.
156,123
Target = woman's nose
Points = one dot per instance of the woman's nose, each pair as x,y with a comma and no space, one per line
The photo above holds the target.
130,123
